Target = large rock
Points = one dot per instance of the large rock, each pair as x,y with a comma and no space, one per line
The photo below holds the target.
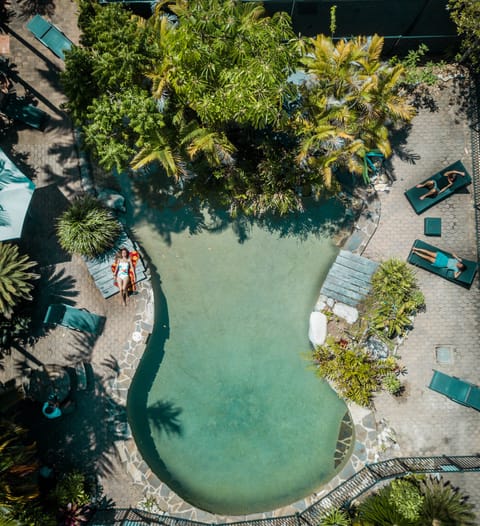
346,312
317,331
112,199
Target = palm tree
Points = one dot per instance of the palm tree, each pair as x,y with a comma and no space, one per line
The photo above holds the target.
444,505
354,101
15,278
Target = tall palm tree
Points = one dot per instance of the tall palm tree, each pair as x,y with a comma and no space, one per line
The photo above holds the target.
353,102
15,278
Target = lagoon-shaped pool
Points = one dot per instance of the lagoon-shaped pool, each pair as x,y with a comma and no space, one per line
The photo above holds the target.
223,406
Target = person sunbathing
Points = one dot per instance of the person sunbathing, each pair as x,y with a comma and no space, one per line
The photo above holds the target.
434,187
441,260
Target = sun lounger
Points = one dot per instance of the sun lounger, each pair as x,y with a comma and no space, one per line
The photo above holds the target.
50,36
459,391
73,318
17,109
466,277
414,194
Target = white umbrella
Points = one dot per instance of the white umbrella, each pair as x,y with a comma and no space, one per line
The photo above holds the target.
16,192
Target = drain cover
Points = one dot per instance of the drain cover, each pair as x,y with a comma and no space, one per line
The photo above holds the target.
444,354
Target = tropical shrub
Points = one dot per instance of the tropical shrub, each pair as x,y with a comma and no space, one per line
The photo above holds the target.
417,70
394,298
72,487
15,278
18,466
444,504
87,228
354,372
335,517
466,14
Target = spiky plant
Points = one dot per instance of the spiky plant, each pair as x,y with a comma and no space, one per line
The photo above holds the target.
74,515
87,228
335,517
444,505
15,278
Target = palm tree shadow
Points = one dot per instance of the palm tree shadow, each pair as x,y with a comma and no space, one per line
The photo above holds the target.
164,416
30,8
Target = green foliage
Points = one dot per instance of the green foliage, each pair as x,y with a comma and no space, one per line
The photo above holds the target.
444,505
394,298
15,278
466,14
417,70
227,61
13,329
87,228
348,110
72,488
406,498
354,372
335,517
333,19
18,466
392,384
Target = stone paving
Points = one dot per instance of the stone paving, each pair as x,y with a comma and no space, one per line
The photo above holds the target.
424,422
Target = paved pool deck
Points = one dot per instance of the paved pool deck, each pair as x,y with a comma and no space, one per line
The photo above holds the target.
424,422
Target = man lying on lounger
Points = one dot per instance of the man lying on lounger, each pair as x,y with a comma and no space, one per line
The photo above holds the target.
432,185
441,260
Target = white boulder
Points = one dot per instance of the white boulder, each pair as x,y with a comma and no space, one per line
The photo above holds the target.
346,312
317,332
112,199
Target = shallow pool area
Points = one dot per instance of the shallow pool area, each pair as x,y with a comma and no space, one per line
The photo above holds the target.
223,406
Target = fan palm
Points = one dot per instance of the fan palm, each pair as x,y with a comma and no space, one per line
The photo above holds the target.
87,228
444,505
15,278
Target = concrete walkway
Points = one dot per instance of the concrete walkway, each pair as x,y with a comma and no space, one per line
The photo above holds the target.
425,422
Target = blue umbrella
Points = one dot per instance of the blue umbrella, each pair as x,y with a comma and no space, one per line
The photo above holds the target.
16,192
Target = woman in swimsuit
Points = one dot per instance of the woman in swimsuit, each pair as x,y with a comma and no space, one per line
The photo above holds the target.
432,185
122,270
441,260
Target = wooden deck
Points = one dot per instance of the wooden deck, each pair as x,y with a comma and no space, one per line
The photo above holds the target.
349,279
100,268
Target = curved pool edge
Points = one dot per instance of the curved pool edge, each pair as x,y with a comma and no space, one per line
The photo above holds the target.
364,449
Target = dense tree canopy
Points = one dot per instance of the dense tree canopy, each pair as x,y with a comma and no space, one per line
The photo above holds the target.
201,88
466,15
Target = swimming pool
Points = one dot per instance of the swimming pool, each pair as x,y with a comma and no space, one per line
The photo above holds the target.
223,406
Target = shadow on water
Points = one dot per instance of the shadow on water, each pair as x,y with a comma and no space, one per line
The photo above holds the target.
162,415
170,211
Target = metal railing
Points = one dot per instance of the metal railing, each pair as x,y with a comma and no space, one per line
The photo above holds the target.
339,497
475,140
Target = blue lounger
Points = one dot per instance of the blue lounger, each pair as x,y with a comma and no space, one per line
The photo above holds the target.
466,277
50,36
73,318
420,205
458,390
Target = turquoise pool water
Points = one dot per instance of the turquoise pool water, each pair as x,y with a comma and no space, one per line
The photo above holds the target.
223,406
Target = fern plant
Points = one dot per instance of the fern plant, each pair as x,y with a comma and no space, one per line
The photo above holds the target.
15,278
87,228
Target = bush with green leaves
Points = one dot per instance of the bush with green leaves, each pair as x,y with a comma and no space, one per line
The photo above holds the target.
15,278
466,14
355,374
417,69
394,298
416,501
87,228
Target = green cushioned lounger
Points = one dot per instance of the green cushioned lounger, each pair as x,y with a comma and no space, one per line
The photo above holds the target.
466,277
19,110
73,318
50,36
420,205
458,390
